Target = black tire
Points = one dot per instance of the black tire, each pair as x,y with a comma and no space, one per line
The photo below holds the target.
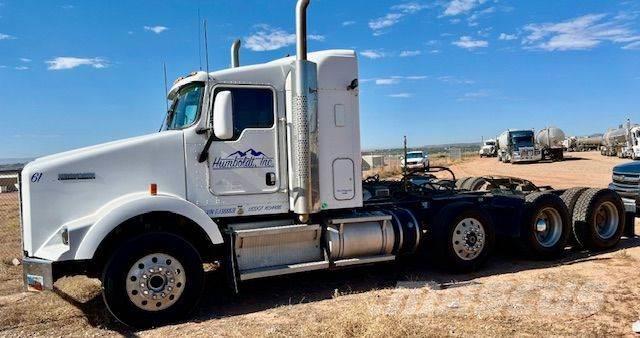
460,182
588,223
540,244
570,197
445,223
477,184
116,275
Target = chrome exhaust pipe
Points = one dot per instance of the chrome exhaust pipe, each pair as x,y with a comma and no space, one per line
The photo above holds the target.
235,56
304,188
301,29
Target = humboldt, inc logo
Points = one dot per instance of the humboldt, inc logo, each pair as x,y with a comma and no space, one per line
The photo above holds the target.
243,159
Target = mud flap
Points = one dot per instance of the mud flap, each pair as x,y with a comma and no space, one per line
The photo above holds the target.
630,217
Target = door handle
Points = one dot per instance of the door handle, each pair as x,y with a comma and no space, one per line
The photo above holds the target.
270,179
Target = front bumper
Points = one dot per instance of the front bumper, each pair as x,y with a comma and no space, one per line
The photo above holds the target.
37,274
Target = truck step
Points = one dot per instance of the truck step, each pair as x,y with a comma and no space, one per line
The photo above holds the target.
277,249
282,270
363,260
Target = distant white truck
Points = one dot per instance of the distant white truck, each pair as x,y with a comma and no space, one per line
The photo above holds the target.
415,160
488,148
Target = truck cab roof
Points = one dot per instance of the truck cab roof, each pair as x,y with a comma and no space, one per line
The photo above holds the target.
334,77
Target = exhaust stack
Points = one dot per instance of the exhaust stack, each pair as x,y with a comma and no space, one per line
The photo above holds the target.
235,56
304,189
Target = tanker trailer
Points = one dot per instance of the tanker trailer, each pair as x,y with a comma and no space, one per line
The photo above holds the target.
550,141
588,143
616,141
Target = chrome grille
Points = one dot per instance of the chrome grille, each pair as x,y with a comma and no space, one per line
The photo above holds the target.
627,184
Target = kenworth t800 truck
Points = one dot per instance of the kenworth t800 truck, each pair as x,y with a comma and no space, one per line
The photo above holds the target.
257,169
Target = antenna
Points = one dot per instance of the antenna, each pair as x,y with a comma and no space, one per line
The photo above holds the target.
199,41
206,48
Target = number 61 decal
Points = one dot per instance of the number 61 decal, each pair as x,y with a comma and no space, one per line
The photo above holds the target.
35,178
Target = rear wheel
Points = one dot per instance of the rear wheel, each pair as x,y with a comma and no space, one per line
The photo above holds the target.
569,198
153,279
463,237
598,219
545,226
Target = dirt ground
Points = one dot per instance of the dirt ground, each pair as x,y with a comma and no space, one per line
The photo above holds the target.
582,294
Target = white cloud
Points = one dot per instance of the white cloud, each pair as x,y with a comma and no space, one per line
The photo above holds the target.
472,19
21,68
387,81
348,23
467,42
385,21
401,95
2,66
580,33
632,46
476,95
456,7
454,80
156,29
409,7
394,16
7,37
507,37
409,53
395,79
373,54
70,62
25,60
270,38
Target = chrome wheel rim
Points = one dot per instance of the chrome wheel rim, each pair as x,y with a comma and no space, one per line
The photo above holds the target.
548,227
606,220
469,239
155,282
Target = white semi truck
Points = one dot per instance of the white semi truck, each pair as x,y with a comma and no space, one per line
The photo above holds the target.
257,170
488,148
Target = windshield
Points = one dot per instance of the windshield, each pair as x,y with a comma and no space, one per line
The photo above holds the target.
489,143
522,139
411,156
185,108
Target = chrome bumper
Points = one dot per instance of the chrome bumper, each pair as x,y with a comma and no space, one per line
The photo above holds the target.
37,274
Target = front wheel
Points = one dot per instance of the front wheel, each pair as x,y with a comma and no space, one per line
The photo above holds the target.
153,279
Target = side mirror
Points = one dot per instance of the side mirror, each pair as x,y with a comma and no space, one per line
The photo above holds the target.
223,115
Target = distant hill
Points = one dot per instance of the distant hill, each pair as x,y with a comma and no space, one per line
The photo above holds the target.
4,161
434,148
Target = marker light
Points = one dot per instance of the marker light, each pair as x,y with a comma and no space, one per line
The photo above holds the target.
153,189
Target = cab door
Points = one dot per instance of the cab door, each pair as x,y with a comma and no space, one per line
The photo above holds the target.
248,162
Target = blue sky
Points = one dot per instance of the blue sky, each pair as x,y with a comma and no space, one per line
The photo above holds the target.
76,73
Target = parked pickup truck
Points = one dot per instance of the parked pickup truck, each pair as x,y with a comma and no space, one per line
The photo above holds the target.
626,181
415,160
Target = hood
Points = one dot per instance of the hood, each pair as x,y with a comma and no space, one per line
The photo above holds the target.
65,187
627,168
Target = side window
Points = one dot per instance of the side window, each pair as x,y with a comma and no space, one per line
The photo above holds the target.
252,108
